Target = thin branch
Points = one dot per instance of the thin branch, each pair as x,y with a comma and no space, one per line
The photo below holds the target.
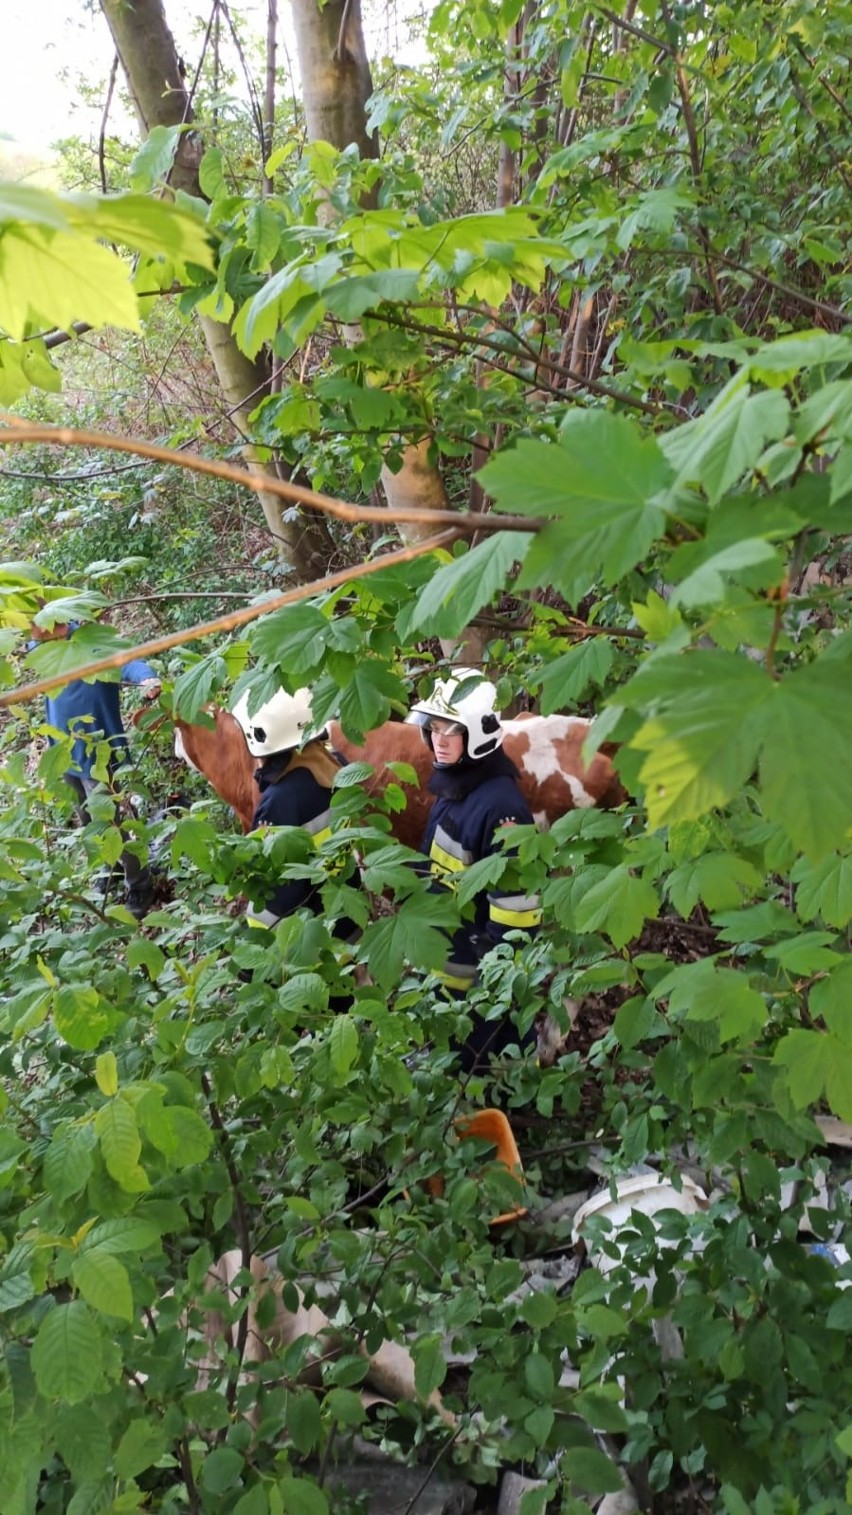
297,494
786,289
463,339
232,621
104,118
636,31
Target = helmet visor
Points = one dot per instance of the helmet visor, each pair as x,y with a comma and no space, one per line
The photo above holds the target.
437,726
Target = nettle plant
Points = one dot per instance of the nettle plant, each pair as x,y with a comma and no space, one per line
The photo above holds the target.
180,1091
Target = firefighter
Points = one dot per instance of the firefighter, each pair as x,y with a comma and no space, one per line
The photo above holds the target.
295,779
477,793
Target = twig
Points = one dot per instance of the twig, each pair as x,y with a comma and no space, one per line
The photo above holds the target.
431,1470
104,118
242,1227
230,622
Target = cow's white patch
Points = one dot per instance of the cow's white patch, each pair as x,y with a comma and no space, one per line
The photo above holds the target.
181,752
543,732
581,797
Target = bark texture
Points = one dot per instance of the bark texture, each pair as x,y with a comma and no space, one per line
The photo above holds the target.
146,47
336,81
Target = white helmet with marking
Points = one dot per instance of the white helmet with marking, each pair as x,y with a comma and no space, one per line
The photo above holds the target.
277,725
468,698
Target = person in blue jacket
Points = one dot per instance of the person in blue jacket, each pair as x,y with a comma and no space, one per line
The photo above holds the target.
477,792
91,713
294,781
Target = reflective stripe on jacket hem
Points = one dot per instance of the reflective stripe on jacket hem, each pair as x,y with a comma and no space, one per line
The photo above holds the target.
514,909
263,918
457,975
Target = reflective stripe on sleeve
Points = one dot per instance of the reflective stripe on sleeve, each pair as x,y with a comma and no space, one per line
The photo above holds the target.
519,910
447,855
320,827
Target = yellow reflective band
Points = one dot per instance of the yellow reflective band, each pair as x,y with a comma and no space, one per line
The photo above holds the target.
444,862
252,920
321,836
453,982
502,917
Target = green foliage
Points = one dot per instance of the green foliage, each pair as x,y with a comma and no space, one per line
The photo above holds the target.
189,1088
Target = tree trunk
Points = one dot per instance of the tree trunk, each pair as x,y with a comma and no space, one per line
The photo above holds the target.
149,58
336,81
336,86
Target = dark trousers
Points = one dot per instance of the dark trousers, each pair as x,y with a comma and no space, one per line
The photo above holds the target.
134,869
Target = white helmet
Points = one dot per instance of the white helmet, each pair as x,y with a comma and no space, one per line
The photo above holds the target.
278,724
473,709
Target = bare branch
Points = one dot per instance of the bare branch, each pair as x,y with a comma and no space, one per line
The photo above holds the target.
63,436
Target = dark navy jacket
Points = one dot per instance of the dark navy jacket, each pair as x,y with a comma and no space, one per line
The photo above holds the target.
473,801
290,799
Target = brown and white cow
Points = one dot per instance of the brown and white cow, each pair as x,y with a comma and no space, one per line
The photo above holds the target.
547,751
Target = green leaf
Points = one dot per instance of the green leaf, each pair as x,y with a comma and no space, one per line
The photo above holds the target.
80,1016
82,1441
618,905
68,655
707,585
538,1309
130,1233
68,1161
16,1283
141,1446
302,1497
802,350
293,639
705,734
804,1055
221,1469
304,1422
67,1354
718,879
142,953
539,1376
367,698
349,298
106,1074
604,495
104,1283
457,591
430,1367
601,1409
566,680
254,1502
343,1044
64,278
717,449
182,1136
591,1471
831,999
703,991
119,1138
153,160
806,777
195,687
824,889
408,936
